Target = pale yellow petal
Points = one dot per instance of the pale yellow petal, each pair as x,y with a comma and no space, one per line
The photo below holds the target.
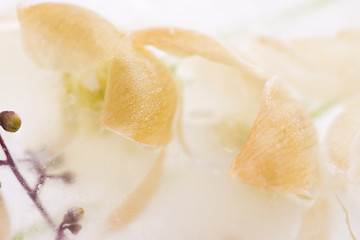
337,54
66,37
280,153
191,199
140,97
354,159
137,201
185,43
353,34
4,222
107,169
342,133
336,57
311,64
315,224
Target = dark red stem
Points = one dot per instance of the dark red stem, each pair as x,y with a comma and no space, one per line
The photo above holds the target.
33,194
60,232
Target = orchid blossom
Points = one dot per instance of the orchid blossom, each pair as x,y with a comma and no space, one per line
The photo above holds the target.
116,83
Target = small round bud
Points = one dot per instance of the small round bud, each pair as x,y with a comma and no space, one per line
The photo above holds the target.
73,215
74,228
10,121
68,177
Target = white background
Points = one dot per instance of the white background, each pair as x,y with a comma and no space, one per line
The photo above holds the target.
280,17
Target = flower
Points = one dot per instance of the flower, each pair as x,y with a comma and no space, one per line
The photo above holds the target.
165,192
141,96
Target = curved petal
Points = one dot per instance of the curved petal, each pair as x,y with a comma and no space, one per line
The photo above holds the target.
137,201
310,64
140,97
66,37
315,222
190,200
185,43
4,221
354,159
342,133
280,153
337,55
107,169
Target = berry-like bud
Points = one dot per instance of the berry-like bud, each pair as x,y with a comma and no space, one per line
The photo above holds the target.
10,121
67,177
74,228
73,215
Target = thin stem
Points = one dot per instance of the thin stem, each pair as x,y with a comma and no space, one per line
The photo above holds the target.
40,182
38,167
60,232
60,235
54,176
32,194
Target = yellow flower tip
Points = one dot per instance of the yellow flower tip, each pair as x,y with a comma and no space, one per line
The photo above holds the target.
280,153
66,37
140,97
